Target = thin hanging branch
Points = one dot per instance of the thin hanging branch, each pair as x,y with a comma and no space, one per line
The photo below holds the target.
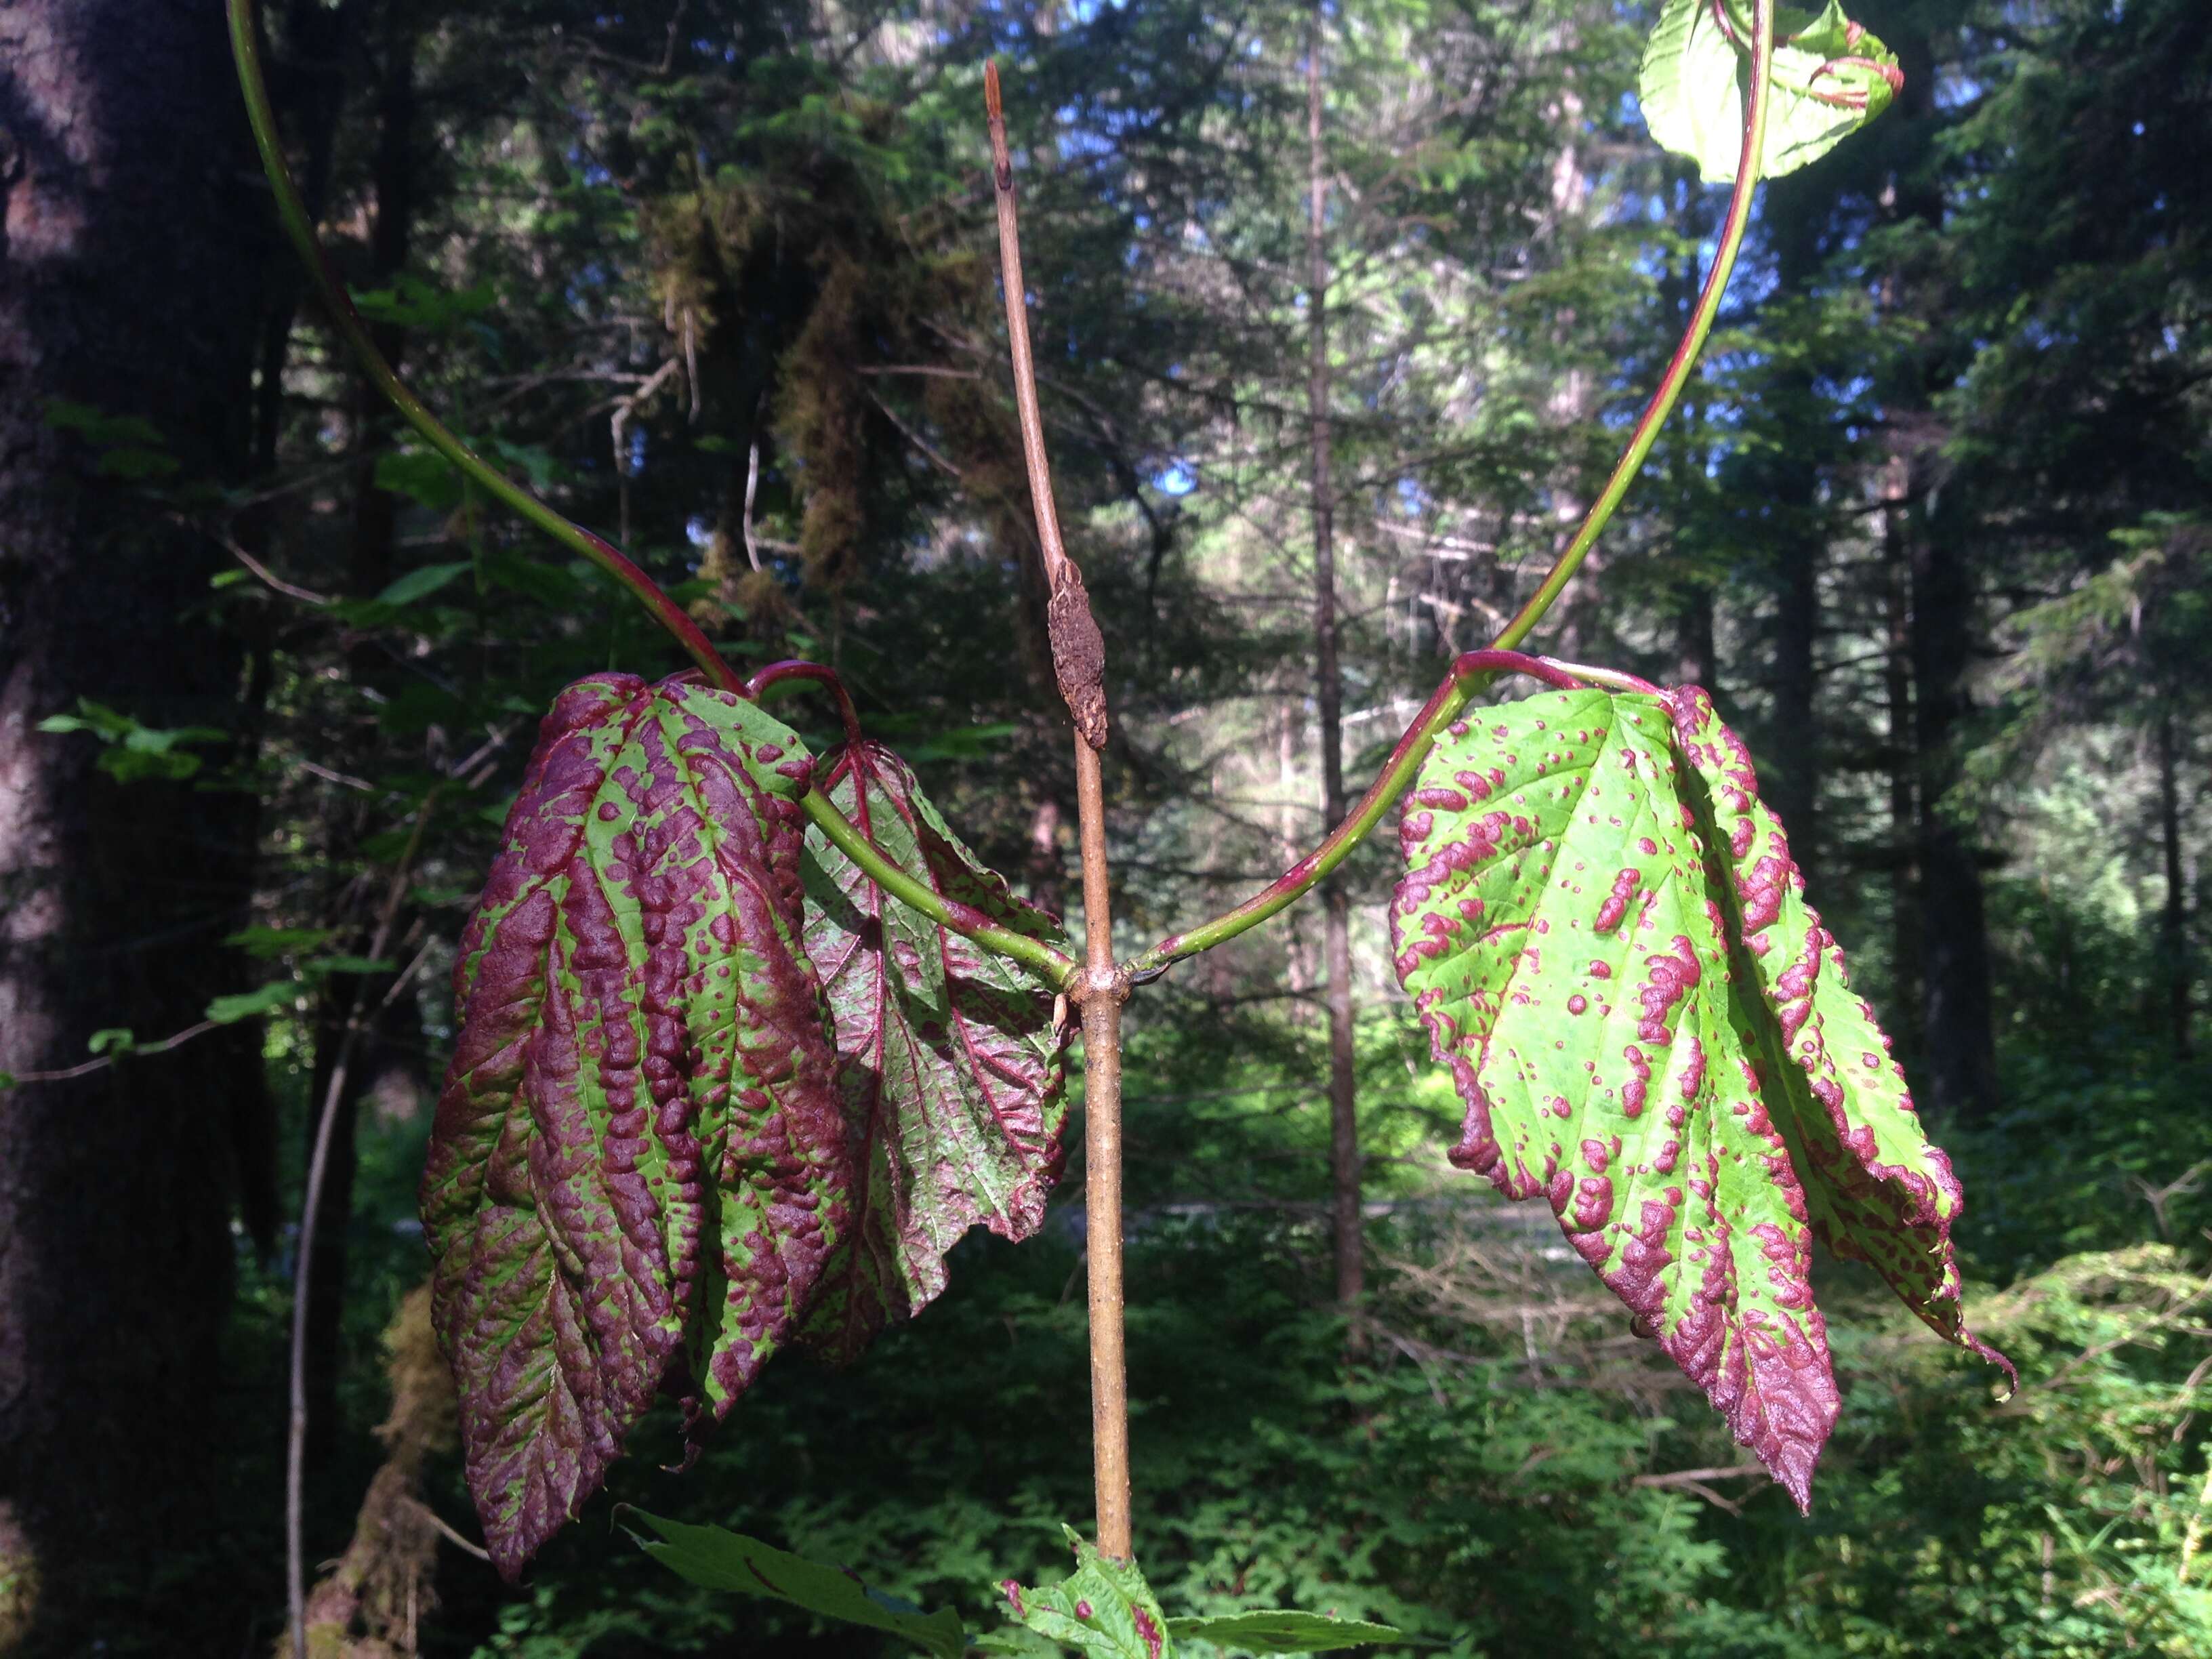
1079,654
296,1433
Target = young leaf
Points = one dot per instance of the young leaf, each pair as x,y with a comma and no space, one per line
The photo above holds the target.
246,1004
716,1560
1831,77
1104,1609
1687,90
1879,1192
1557,930
949,1063
1261,1631
638,1168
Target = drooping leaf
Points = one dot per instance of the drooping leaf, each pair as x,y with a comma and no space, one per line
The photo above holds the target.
1104,1609
716,1560
1879,1192
1650,1028
1556,928
419,584
1263,1632
949,1063
265,943
638,1168
1831,77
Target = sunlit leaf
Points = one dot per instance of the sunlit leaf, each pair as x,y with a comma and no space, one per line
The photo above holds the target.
1573,937
1556,928
1879,1192
1830,78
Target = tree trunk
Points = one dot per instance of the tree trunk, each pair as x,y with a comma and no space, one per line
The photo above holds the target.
1904,752
1795,789
371,566
1956,1002
2174,919
1958,1035
1328,689
126,286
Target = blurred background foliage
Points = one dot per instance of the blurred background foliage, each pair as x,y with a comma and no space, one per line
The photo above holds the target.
717,276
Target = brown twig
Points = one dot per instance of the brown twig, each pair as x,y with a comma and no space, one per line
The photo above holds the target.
1079,664
1079,652
85,1068
295,1440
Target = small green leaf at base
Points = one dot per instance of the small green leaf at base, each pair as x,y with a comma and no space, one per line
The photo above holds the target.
1268,1632
1104,1609
715,1560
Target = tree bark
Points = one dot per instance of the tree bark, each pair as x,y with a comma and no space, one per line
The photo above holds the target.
127,286
372,563
1904,810
2173,918
1795,789
1955,1000
1328,697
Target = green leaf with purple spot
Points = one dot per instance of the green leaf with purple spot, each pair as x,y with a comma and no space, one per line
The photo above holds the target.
638,1170
949,1057
1878,1192
1556,928
1571,926
1104,1609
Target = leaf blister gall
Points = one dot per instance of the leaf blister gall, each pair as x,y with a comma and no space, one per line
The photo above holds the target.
1879,1192
648,1170
1660,1162
951,1069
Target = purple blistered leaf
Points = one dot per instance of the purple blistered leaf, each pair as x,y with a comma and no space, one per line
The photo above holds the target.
638,1149
1878,1191
950,1060
1560,930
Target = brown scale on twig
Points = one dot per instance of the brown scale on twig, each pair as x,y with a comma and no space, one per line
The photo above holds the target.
1078,649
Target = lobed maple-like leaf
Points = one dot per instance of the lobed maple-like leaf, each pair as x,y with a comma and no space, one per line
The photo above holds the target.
1556,928
638,1169
1879,1192
949,1060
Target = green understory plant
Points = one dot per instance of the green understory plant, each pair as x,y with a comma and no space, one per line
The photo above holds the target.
748,1038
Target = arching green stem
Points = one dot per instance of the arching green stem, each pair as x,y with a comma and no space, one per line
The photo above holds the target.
970,924
1685,350
1058,968
1472,671
1476,669
244,44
